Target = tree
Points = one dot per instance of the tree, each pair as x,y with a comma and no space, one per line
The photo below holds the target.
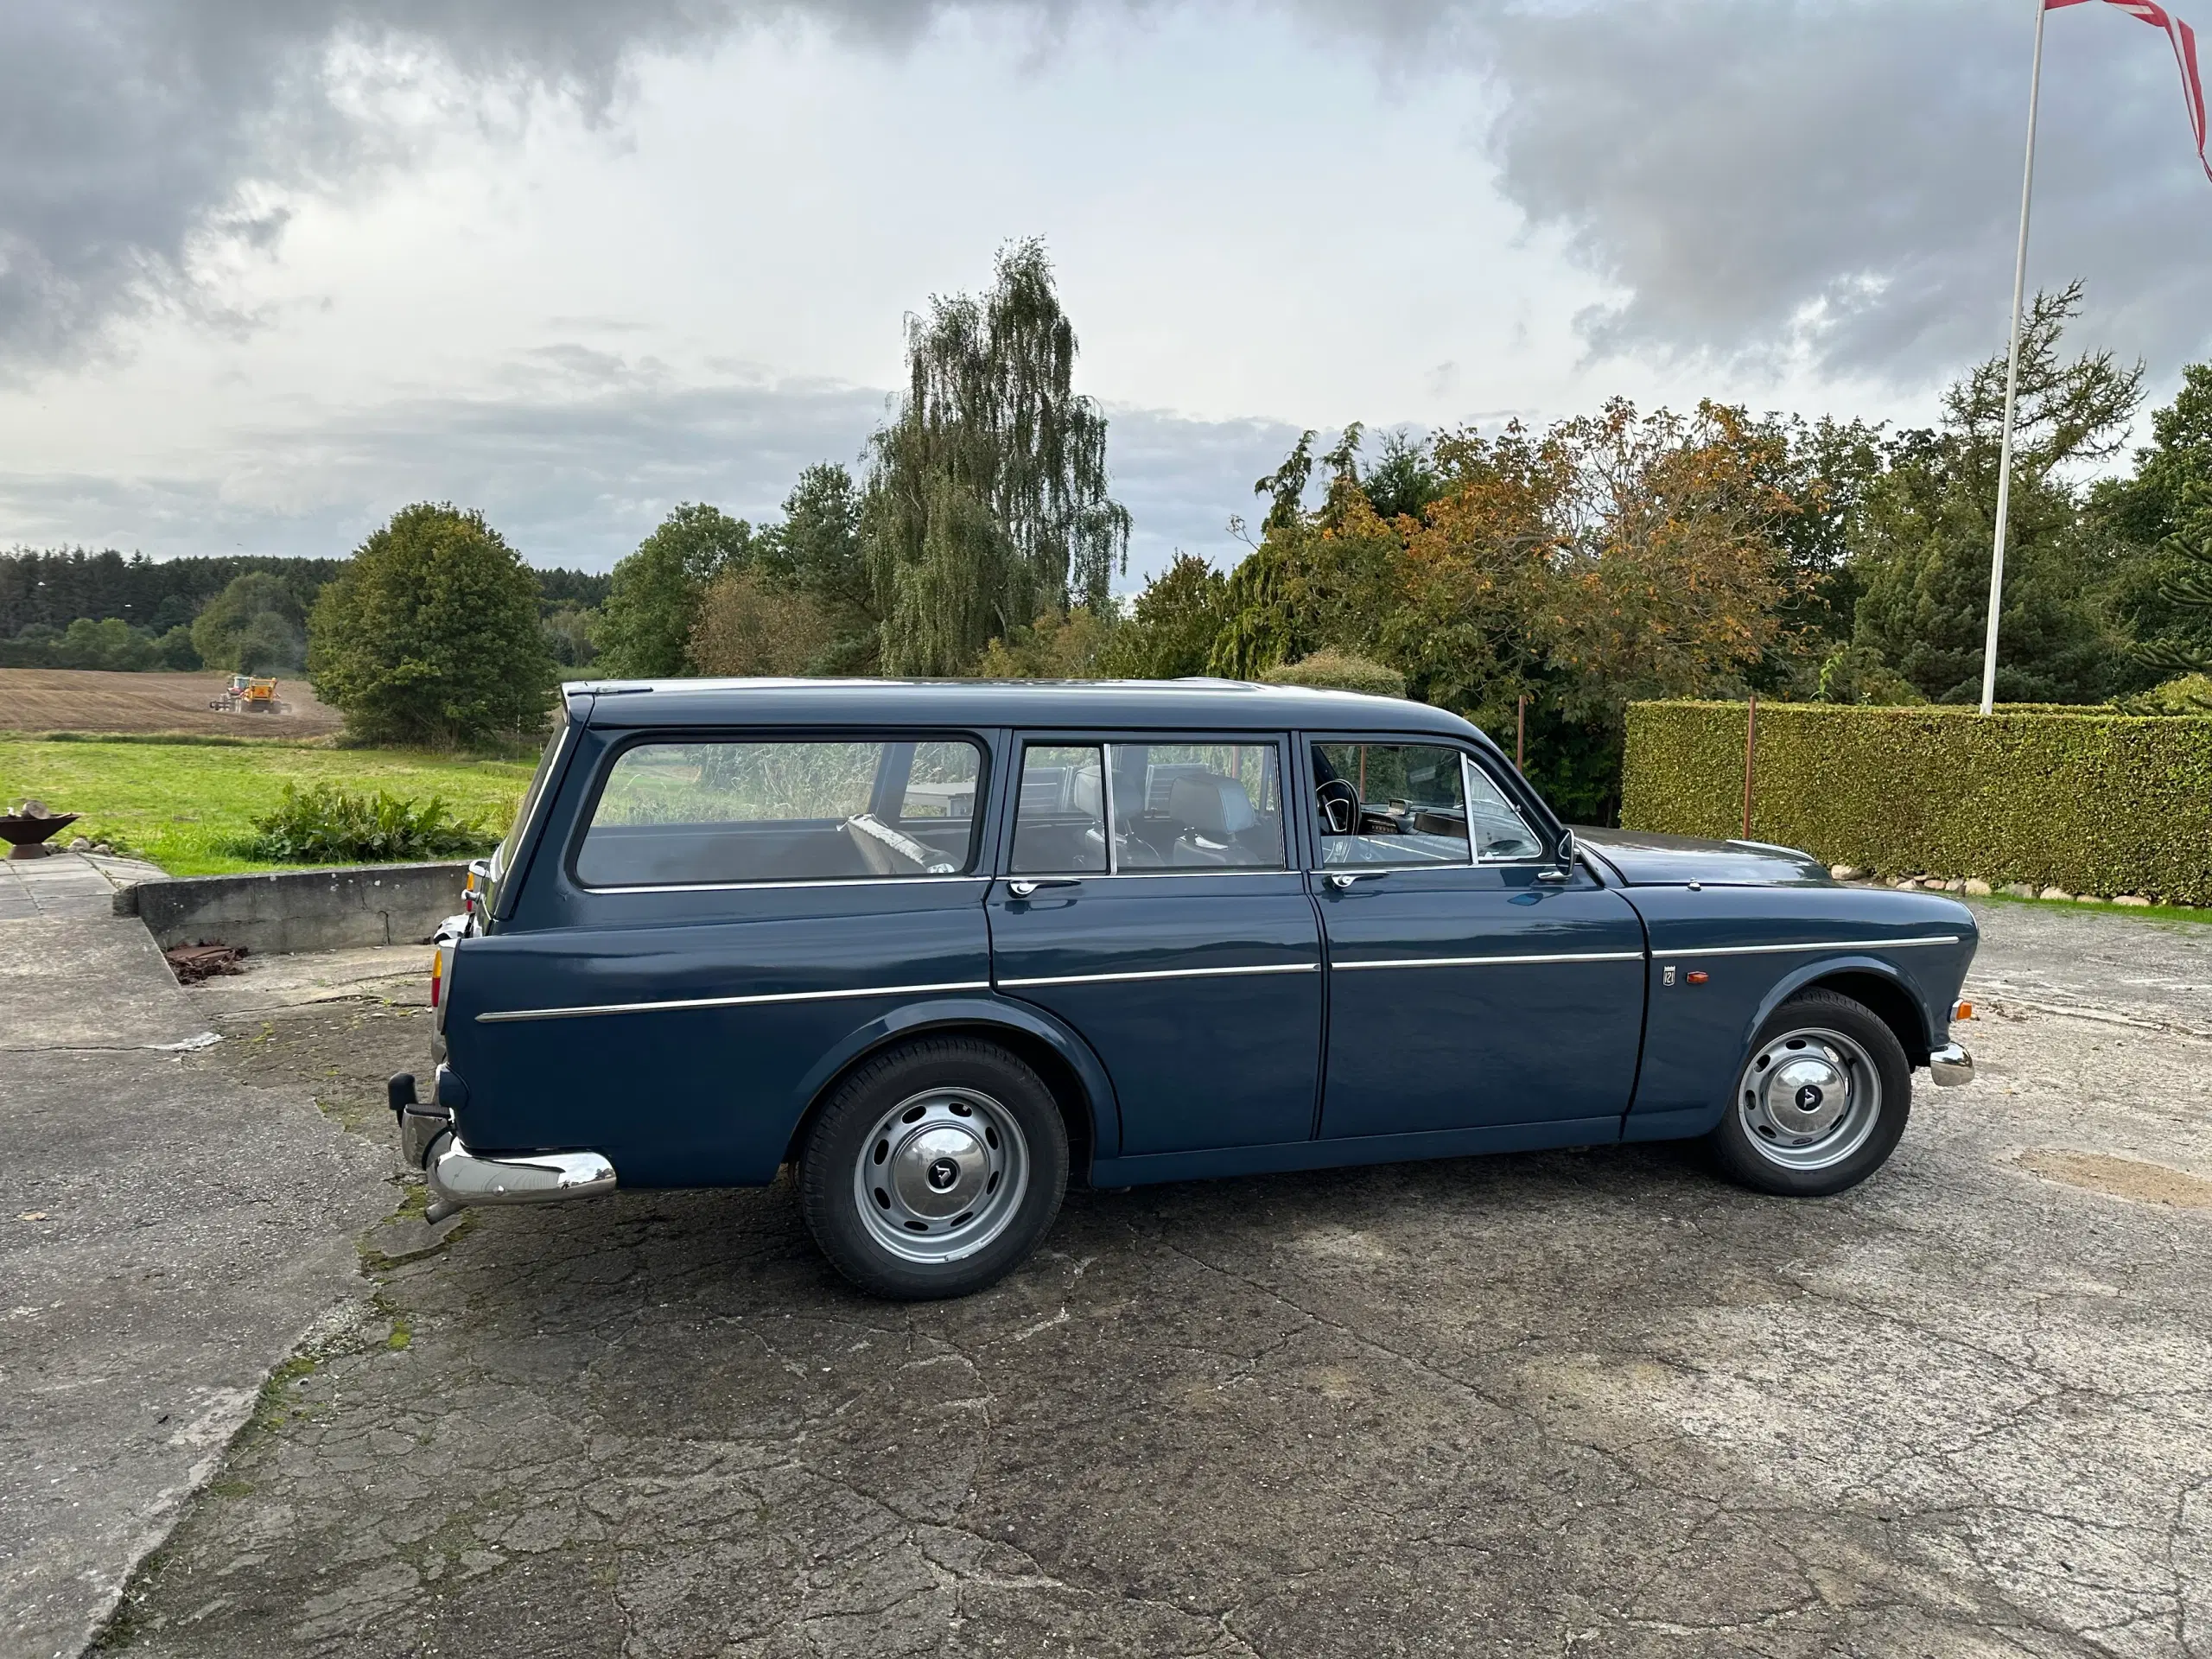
2148,511
1924,538
1172,626
2186,588
751,624
1057,646
431,634
986,502
645,628
255,625
817,552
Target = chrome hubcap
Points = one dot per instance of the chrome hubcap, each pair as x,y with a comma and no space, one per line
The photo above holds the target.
941,1175
1809,1099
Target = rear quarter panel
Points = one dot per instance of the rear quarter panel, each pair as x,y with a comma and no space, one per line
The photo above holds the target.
1757,946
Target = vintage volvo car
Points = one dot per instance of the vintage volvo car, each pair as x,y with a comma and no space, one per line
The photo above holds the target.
942,947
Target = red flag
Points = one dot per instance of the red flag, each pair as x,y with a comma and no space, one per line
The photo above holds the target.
2183,39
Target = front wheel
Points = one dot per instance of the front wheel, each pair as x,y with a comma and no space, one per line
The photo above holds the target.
1822,1101
934,1170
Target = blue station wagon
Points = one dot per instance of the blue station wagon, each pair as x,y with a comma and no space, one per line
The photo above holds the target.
943,947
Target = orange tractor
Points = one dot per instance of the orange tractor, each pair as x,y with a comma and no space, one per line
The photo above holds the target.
247,694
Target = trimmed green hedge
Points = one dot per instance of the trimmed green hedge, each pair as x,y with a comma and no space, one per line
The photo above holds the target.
2093,803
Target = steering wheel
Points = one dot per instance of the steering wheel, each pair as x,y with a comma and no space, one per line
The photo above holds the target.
1338,803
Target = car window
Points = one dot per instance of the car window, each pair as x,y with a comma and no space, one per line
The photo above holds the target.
1390,804
715,812
1196,806
1059,820
1501,833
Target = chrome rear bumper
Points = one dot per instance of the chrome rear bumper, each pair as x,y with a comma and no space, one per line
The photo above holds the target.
458,1177
1950,1066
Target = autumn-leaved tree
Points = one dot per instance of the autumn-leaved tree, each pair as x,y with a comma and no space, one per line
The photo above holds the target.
986,503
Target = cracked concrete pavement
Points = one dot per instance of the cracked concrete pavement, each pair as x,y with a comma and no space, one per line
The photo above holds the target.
166,1238
1596,1403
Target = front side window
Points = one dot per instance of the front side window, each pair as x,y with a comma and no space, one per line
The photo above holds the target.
1501,835
1390,804
712,812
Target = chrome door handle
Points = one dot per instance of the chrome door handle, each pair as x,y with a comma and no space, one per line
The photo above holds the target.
1342,879
1551,876
1024,888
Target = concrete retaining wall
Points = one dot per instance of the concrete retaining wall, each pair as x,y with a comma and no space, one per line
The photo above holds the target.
281,911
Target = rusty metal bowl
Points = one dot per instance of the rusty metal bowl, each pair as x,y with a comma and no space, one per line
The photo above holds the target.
26,836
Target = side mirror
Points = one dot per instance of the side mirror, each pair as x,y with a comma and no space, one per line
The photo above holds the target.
1567,849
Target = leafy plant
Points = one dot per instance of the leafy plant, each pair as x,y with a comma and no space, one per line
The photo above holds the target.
330,825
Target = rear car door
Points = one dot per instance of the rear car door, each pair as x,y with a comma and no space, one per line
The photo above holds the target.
1473,984
1149,900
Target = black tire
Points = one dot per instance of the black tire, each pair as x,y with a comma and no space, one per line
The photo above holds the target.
1767,1139
893,1127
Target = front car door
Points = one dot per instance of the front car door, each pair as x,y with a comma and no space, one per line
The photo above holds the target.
1149,901
1473,983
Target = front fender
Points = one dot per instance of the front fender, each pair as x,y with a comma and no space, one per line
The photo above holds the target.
940,1012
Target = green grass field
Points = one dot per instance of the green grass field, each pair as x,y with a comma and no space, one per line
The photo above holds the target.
188,806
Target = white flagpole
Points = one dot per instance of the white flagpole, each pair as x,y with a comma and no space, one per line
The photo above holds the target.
2012,381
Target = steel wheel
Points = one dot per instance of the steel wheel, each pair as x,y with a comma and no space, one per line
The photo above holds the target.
941,1175
1809,1099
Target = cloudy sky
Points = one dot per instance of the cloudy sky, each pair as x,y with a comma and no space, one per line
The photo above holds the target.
270,268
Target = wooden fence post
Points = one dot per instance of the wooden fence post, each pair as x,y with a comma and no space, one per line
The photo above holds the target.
1750,751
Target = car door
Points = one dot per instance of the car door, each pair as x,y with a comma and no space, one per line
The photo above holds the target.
1147,900
1472,982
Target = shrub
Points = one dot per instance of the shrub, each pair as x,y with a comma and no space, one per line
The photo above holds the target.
1334,670
2092,802
329,825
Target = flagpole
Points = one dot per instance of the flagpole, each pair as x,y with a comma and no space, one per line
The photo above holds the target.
2011,379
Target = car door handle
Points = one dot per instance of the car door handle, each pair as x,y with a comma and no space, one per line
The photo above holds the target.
1555,873
1022,889
1342,879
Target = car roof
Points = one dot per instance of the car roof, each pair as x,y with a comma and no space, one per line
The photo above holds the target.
1161,705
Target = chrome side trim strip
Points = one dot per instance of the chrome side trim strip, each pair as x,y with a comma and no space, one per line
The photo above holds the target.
826,882
503,1016
1816,945
1163,973
1486,962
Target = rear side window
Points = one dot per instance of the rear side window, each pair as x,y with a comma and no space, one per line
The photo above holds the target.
1128,808
710,813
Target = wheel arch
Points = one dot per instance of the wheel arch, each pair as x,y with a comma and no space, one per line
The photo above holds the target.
1064,1062
1868,981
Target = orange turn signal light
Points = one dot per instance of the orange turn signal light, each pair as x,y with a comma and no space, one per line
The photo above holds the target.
1697,975
1962,1010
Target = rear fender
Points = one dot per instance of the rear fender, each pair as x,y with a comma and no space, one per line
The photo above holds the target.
975,1013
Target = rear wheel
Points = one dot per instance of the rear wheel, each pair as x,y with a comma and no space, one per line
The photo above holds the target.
1822,1101
934,1170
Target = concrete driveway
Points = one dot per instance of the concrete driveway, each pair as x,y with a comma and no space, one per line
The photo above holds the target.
1593,1403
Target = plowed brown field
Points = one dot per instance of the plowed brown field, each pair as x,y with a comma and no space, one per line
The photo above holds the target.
88,700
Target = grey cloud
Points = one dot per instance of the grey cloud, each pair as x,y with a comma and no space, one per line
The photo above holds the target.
133,131
578,457
1842,179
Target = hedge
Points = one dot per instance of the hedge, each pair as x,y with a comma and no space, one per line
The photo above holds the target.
2091,803
1332,670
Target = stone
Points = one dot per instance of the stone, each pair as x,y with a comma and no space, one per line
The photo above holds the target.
78,844
1846,873
1974,887
2055,892
102,848
2086,899
2020,890
2135,898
